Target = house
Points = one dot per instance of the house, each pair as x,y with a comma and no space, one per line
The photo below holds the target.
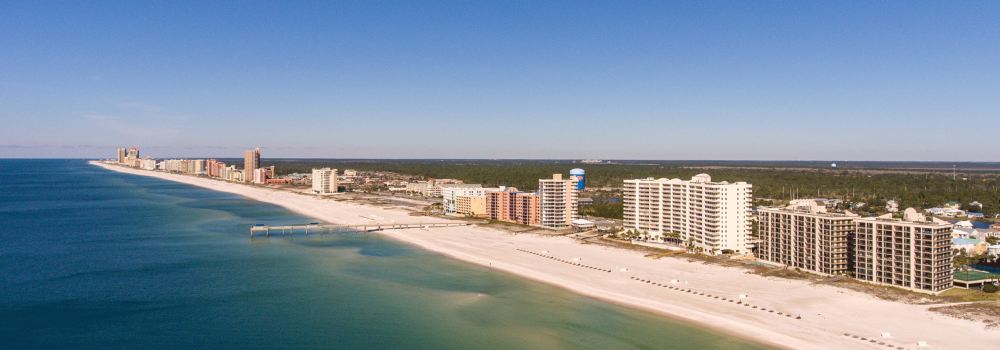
984,233
952,205
892,206
993,250
581,224
995,226
971,246
858,205
976,204
963,232
584,201
965,223
605,225
975,215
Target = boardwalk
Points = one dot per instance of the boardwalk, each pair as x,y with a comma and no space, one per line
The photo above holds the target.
341,229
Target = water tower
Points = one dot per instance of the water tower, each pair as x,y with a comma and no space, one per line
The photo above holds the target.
833,166
579,177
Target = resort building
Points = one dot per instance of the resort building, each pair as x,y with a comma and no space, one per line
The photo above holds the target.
913,252
557,201
451,192
710,215
474,206
122,154
324,181
510,205
807,237
251,161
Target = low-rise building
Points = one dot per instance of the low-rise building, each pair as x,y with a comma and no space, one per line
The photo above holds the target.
510,205
969,246
474,206
451,192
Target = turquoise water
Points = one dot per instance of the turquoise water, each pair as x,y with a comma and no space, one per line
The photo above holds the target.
98,259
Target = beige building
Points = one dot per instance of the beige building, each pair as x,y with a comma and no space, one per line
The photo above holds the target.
557,201
710,215
913,252
474,206
324,181
807,237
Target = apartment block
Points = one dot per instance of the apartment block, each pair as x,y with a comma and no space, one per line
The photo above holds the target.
913,252
450,192
557,202
510,205
711,215
807,237
122,154
474,206
324,181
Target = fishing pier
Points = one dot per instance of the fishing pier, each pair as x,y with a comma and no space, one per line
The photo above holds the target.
345,229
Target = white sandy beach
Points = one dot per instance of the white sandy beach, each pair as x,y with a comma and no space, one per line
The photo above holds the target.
827,312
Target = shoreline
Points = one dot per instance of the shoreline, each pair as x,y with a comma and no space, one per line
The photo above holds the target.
827,311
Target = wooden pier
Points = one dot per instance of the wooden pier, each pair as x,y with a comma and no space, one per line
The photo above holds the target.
346,229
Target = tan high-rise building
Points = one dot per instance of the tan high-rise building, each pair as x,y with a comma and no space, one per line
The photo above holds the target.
122,154
557,201
807,237
913,252
709,215
251,161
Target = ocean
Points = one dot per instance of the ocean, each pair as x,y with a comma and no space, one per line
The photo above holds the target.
95,259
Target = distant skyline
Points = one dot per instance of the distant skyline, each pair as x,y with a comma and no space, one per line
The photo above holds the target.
852,81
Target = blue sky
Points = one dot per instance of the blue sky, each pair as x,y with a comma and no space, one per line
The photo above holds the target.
795,80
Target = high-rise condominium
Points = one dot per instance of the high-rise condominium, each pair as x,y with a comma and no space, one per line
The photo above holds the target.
807,237
251,161
710,215
324,181
912,252
122,154
557,201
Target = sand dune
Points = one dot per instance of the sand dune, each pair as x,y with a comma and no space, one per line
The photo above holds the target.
827,312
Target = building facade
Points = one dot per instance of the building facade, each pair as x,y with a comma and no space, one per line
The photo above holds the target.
324,181
451,192
510,205
807,237
557,202
709,215
474,206
251,161
912,252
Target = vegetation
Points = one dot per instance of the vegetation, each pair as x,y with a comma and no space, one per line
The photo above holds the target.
604,209
874,183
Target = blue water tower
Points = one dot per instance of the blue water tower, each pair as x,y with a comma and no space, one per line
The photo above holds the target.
579,176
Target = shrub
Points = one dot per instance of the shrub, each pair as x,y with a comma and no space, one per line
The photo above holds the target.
990,288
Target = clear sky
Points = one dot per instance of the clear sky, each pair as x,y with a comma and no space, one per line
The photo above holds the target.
796,80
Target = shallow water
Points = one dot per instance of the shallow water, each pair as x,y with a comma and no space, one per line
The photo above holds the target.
99,259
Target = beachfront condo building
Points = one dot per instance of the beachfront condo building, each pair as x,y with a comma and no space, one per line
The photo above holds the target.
451,192
473,206
251,161
913,252
324,181
714,216
510,205
557,202
807,237
122,154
